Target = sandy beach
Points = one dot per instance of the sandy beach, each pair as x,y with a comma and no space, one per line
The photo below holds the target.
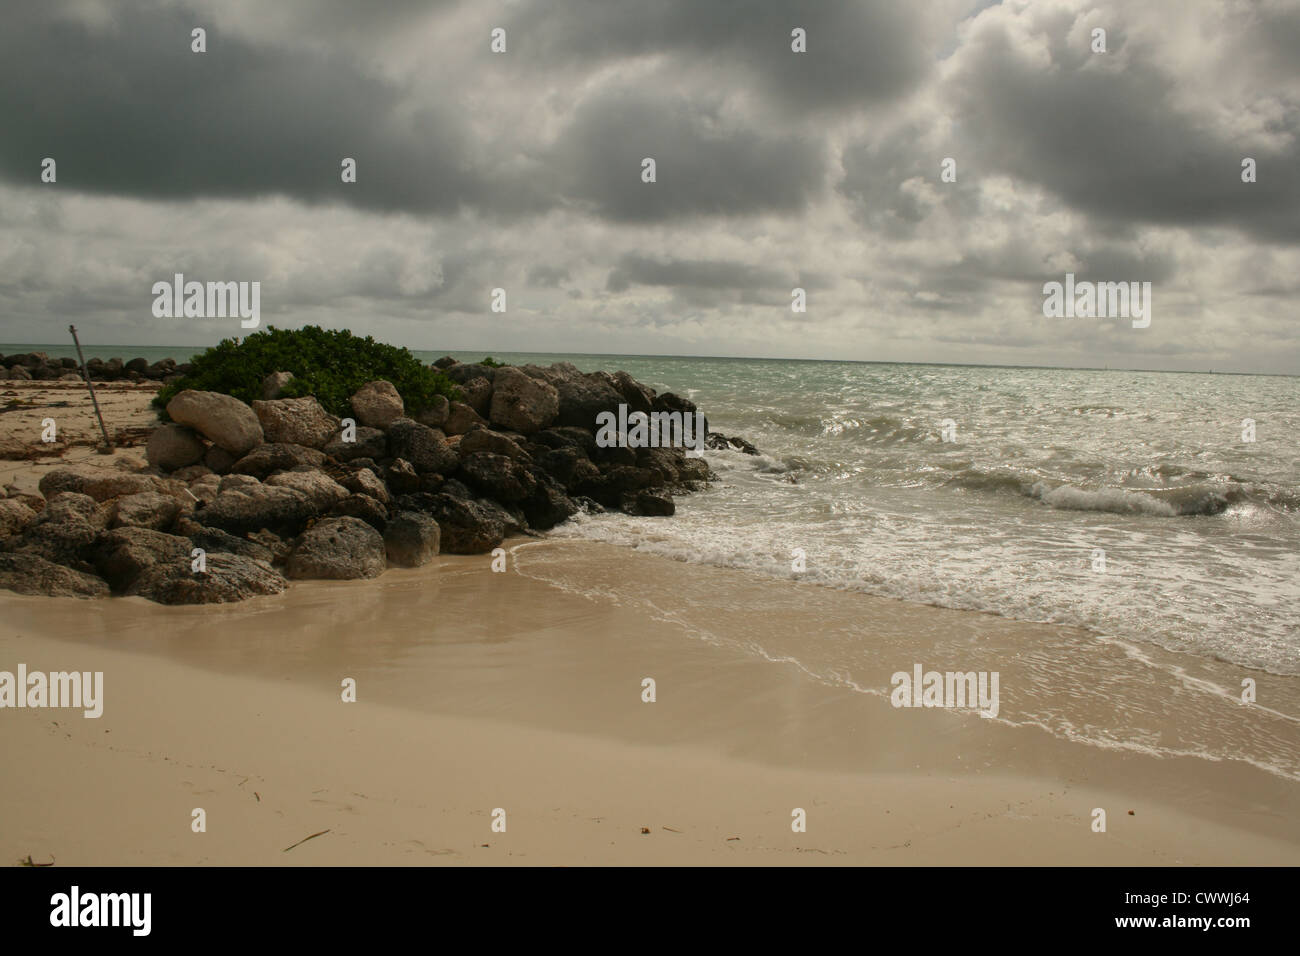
478,691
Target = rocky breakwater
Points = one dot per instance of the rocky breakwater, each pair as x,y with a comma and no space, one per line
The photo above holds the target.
37,366
238,498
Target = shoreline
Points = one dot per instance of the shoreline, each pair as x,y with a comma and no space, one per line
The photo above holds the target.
536,704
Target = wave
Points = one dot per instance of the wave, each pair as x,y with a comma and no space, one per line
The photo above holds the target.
1162,503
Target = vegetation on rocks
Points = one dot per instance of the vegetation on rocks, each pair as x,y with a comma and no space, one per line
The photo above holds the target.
330,364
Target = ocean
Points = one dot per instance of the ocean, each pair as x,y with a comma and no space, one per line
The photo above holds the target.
1129,505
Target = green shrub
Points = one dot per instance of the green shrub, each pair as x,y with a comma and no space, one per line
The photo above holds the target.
490,362
327,363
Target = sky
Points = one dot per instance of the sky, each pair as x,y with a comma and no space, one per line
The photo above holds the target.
774,170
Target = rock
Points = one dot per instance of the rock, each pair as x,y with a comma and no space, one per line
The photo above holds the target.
548,505
219,460
484,439
215,540
583,439
477,393
278,456
377,404
462,373
401,477
64,531
424,447
278,547
229,482
223,420
338,549
497,477
581,397
295,421
321,491
445,362
368,443
365,507
560,463
18,374
148,509
435,416
609,486
461,418
259,506
637,396
206,488
228,577
192,473
719,442
28,574
123,554
15,517
466,527
649,504
411,539
522,403
273,385
137,365
99,483
364,481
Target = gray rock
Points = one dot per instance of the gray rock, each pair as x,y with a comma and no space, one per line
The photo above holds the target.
15,517
223,420
363,481
296,421
123,554
259,506
28,574
219,460
466,527
461,419
148,509
321,491
265,460
366,508
99,483
368,443
229,577
411,539
377,404
497,477
424,447
478,395
522,403
484,439
338,549
435,416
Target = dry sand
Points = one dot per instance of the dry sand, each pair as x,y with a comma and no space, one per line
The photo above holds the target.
523,691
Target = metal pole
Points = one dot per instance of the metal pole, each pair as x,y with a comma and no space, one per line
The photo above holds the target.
85,373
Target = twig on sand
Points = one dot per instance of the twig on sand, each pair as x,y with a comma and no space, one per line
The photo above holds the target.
304,840
30,862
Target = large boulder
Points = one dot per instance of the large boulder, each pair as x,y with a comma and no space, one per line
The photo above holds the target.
466,527
273,385
338,549
148,509
321,491
367,443
226,578
610,485
214,539
581,397
252,507
64,531
497,477
28,574
411,539
435,415
638,397
364,481
295,421
378,404
522,403
547,505
222,419
100,484
266,459
123,554
477,394
485,439
173,446
424,447
366,508
462,419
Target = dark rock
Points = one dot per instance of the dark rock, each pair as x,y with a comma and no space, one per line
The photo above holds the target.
497,477
548,505
435,416
612,483
411,539
401,477
467,527
368,509
215,540
521,402
266,459
139,365
424,447
369,443
649,503
461,418
228,577
123,554
148,509
484,439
